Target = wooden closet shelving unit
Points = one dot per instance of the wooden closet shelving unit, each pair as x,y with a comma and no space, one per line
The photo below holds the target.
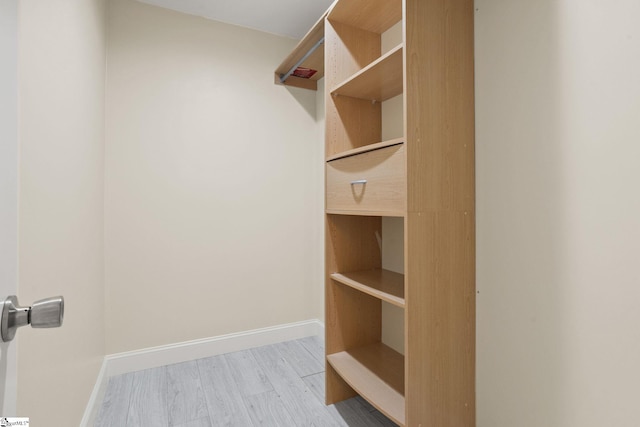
425,177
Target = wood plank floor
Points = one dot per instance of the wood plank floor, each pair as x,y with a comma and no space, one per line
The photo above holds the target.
277,385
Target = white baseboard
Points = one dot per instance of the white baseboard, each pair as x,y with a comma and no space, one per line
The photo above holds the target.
96,398
131,361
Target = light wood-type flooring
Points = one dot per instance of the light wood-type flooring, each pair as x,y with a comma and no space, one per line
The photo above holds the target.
275,385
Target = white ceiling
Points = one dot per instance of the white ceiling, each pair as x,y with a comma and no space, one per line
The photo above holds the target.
291,18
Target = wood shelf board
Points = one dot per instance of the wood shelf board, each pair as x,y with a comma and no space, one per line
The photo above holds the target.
315,61
379,81
376,372
398,214
366,148
382,284
372,15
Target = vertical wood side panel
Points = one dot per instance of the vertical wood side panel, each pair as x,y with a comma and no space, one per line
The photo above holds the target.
439,106
440,319
440,225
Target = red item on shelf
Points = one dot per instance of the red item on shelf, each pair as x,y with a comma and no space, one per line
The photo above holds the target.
304,73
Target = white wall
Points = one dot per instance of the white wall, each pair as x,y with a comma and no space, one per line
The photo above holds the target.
61,89
211,181
558,213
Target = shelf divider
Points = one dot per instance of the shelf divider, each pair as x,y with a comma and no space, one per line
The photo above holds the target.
382,284
378,81
376,372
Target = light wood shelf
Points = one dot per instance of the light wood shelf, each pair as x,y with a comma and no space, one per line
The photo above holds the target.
366,148
395,214
379,81
376,372
376,16
314,61
383,284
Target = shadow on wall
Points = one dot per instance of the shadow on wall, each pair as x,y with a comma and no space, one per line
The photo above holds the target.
304,100
558,207
520,246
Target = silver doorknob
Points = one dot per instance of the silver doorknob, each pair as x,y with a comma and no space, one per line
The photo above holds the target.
46,313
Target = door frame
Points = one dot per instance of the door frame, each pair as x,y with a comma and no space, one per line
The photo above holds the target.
8,191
